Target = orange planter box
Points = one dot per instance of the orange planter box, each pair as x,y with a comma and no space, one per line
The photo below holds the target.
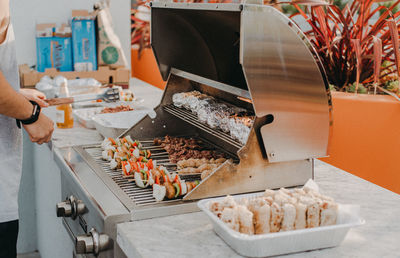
366,137
145,67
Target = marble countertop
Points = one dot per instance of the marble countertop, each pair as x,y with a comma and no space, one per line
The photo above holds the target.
192,235
79,135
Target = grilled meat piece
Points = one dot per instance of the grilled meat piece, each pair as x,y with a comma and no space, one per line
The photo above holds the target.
180,148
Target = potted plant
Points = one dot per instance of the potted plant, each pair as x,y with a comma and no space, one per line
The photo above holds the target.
359,48
144,64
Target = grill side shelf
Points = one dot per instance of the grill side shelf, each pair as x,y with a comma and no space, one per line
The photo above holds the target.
192,119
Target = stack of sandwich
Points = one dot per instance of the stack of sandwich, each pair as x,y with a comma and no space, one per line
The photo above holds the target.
275,211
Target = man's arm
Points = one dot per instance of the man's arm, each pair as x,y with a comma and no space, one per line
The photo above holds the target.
4,19
15,105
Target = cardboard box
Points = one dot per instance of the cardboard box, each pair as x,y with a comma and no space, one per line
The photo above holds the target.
53,47
119,76
84,41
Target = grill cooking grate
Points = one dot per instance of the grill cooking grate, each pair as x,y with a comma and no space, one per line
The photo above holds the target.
138,195
192,119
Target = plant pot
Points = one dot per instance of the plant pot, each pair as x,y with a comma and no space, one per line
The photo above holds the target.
145,68
366,137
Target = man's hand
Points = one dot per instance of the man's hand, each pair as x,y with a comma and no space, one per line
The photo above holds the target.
34,95
41,130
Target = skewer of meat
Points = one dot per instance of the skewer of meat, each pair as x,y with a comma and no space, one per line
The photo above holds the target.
198,162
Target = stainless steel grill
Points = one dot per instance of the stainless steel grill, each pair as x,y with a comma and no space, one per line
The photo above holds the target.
285,136
248,55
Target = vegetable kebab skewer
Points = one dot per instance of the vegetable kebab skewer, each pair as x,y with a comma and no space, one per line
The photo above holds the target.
128,155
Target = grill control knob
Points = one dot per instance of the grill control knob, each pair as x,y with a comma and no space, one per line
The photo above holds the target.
92,243
79,208
64,209
71,207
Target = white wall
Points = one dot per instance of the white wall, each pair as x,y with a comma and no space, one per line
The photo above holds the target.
25,14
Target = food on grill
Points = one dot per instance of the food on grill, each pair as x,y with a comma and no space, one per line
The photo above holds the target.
198,162
134,161
116,163
108,153
277,211
179,148
206,173
116,109
169,185
126,154
239,126
123,146
189,100
195,166
228,118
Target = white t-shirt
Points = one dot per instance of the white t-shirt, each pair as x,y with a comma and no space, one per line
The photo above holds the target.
10,137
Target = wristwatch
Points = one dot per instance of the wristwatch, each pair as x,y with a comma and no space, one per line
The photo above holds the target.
34,117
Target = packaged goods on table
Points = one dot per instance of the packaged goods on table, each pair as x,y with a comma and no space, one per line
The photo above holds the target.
84,41
53,47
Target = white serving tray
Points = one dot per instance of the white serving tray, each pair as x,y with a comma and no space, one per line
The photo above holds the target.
114,124
288,241
85,116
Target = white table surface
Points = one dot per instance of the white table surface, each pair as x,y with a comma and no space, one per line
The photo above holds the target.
192,235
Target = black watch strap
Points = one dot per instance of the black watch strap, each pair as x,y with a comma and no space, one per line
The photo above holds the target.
34,117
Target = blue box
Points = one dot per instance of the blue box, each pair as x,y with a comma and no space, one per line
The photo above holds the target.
54,52
84,44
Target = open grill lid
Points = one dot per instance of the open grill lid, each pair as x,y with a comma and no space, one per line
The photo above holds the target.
256,52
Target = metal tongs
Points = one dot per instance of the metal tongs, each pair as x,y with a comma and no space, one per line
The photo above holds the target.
109,95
